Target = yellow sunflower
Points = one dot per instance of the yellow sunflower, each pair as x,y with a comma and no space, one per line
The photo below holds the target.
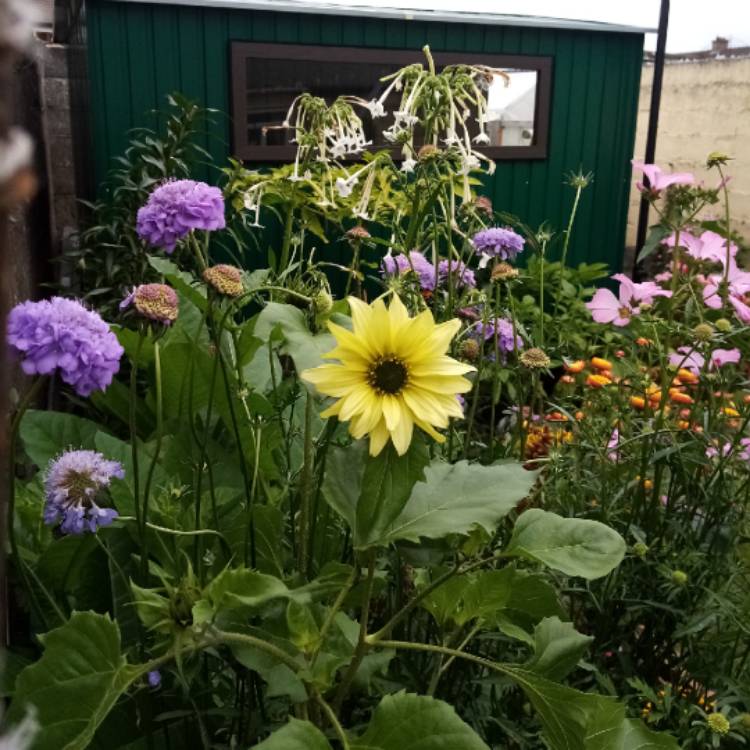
392,373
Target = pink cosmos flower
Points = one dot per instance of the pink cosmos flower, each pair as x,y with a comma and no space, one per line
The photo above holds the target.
658,180
738,287
687,358
606,308
721,357
710,246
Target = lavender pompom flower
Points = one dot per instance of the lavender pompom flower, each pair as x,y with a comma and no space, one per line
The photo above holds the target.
497,242
463,276
157,302
177,207
503,330
401,265
62,334
154,679
73,481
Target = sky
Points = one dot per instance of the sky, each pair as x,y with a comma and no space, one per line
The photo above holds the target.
693,24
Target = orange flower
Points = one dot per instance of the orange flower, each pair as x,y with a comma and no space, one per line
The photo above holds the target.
574,367
679,397
619,354
683,424
580,415
746,398
640,341
729,412
687,377
567,379
598,381
648,485
601,364
637,402
556,416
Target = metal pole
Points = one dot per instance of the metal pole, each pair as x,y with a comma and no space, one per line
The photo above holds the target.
653,121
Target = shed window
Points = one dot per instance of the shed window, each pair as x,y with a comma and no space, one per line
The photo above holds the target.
267,77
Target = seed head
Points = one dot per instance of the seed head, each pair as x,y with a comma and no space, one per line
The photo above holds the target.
470,350
535,359
703,331
357,234
225,279
716,158
503,272
428,151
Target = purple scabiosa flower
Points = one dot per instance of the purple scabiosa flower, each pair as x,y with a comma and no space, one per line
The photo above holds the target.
497,242
177,207
154,679
463,275
71,486
502,329
157,302
62,334
401,265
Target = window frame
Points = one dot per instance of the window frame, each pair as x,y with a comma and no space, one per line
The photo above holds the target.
240,51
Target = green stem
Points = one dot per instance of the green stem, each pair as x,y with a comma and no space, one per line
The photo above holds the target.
303,561
134,434
333,719
218,637
154,458
729,236
331,616
361,649
287,240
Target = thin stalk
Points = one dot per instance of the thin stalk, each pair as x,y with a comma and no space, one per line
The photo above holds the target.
303,561
155,457
134,434
287,239
729,236
333,720
361,648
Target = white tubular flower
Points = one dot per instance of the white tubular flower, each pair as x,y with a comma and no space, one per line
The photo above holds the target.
481,138
376,109
344,186
408,165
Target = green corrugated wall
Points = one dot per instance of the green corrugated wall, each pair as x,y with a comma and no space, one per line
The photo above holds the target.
138,53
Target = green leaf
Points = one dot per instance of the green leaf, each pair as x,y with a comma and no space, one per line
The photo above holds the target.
46,434
239,589
454,498
584,721
304,347
296,735
558,647
76,682
387,484
405,720
575,546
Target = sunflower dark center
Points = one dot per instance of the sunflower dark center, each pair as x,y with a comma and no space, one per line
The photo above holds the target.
388,375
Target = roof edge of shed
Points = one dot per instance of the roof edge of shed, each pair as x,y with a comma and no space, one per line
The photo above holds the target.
406,14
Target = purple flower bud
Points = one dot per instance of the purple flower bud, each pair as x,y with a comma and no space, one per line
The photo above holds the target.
154,678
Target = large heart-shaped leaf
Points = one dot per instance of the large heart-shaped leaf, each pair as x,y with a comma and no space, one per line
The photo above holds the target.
76,682
296,735
575,546
405,720
454,498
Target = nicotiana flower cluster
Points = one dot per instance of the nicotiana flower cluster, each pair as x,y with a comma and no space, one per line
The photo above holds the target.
61,334
501,243
176,208
74,481
415,262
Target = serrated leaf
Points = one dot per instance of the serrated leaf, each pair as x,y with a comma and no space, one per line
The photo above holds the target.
574,546
558,647
454,498
75,683
405,720
296,735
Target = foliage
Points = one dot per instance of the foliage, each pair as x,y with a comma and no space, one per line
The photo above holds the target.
576,535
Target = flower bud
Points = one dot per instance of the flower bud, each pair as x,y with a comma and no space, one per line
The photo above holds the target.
723,325
322,302
503,272
679,577
640,549
357,234
703,331
718,723
470,350
535,359
716,158
428,151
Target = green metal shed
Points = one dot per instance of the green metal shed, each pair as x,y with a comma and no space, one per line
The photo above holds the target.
141,51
